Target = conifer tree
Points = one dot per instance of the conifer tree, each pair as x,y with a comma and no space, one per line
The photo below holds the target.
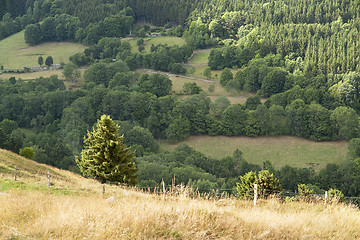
105,157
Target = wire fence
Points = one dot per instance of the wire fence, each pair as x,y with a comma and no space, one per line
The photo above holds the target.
283,195
250,193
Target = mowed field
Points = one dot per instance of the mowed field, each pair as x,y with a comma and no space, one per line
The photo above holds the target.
15,53
279,151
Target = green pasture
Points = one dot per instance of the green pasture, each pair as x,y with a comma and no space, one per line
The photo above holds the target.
233,96
46,74
200,57
197,64
279,151
170,41
15,53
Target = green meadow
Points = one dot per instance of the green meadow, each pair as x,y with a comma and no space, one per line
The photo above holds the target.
168,40
15,53
279,151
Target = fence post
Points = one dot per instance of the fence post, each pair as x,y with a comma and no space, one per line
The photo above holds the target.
326,196
103,189
48,179
164,192
15,173
255,193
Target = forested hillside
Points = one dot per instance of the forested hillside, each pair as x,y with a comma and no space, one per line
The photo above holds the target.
299,61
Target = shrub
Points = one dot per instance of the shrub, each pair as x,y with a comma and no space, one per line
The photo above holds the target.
27,152
267,185
305,193
335,195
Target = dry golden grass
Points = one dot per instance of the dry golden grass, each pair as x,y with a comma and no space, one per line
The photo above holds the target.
82,212
135,215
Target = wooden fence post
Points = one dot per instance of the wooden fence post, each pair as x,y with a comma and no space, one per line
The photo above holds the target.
15,173
255,193
326,196
103,189
48,179
164,192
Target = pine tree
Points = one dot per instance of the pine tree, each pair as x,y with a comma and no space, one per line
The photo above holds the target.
105,157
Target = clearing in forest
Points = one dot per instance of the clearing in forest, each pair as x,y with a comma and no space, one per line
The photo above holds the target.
15,53
281,150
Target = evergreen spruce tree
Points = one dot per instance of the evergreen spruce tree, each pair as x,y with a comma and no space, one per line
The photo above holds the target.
105,157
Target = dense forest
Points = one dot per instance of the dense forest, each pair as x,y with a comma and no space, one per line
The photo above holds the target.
302,56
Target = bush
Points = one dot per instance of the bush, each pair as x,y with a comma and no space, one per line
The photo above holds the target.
335,195
27,152
211,88
207,72
267,185
305,193
177,68
226,76
191,88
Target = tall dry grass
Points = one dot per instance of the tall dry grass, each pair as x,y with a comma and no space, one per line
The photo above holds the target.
74,208
136,215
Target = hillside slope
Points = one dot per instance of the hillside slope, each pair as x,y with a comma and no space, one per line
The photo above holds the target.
82,212
15,53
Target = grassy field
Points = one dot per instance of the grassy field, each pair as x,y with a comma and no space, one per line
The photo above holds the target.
74,208
234,97
278,150
200,57
199,61
35,75
197,64
170,41
15,53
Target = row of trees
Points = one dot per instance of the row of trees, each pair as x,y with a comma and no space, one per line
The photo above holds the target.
48,61
152,11
16,15
14,8
65,27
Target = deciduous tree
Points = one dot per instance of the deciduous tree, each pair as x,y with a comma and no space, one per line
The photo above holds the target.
49,61
40,61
